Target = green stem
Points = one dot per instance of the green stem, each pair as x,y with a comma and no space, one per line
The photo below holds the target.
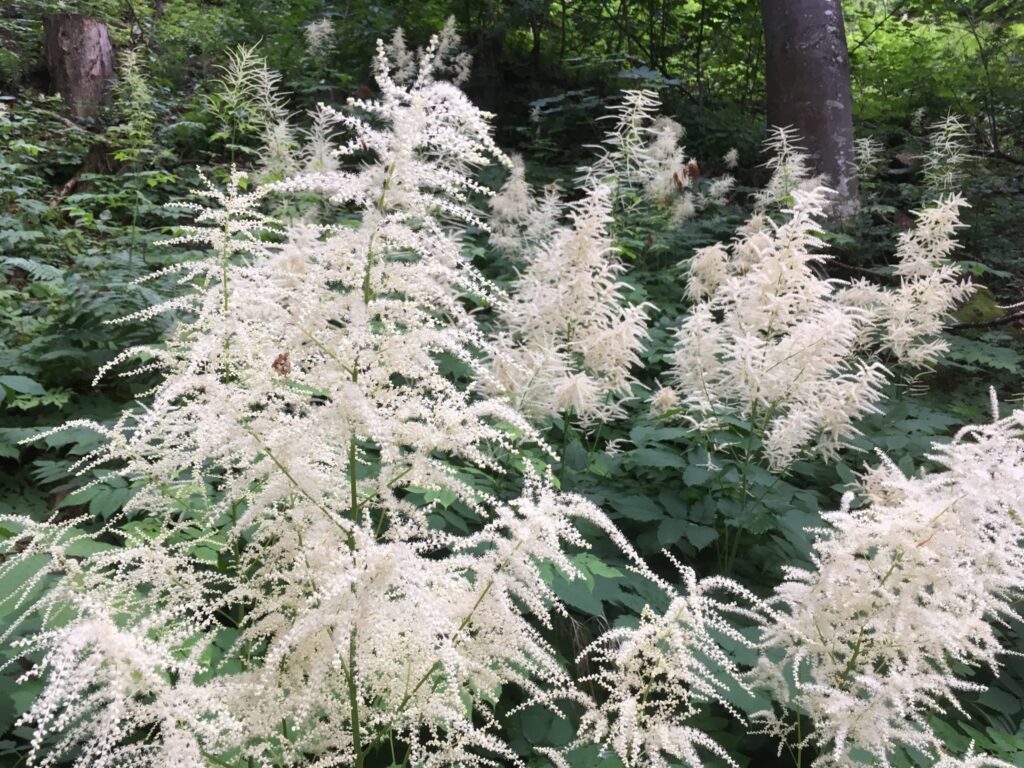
353,701
566,418
859,642
352,486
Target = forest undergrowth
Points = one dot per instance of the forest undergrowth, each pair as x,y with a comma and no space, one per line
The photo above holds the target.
342,436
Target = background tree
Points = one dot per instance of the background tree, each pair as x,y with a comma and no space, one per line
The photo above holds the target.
808,83
80,60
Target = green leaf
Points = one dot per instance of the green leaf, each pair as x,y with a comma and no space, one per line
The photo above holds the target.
87,547
694,475
14,579
635,507
671,530
22,385
591,563
700,535
576,594
640,436
656,457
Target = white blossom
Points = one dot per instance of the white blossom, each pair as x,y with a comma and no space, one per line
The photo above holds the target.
302,405
658,675
910,317
319,35
947,154
798,355
767,340
579,340
790,166
903,591
520,222
867,153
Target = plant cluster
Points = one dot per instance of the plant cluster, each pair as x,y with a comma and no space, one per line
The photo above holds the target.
338,530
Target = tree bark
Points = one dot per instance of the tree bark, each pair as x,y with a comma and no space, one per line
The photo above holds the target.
80,60
808,81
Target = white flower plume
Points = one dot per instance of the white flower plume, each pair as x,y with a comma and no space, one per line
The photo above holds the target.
904,590
572,340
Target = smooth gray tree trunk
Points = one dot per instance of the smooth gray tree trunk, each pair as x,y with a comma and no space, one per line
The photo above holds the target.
80,60
808,80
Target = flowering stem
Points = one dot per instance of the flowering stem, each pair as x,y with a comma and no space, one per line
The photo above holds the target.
859,643
353,700
352,479
437,664
566,418
367,298
284,470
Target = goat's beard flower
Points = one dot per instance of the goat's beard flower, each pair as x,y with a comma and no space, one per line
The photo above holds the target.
568,339
902,589
520,222
947,154
767,340
868,156
909,319
284,593
799,355
641,158
659,674
791,170
571,343
302,410
318,36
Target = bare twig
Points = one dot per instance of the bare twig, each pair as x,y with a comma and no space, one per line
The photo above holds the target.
997,155
1004,320
66,121
65,190
889,14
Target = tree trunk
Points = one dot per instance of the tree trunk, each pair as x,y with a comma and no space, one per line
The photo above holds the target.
80,60
808,81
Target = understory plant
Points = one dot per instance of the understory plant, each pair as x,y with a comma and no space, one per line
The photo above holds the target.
343,529
773,340
281,588
901,603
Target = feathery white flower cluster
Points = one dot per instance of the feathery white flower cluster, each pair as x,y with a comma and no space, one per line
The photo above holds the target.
318,153
867,154
658,675
572,340
903,590
281,596
766,338
910,317
302,407
319,36
797,354
946,155
790,166
441,59
641,157
248,98
521,223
